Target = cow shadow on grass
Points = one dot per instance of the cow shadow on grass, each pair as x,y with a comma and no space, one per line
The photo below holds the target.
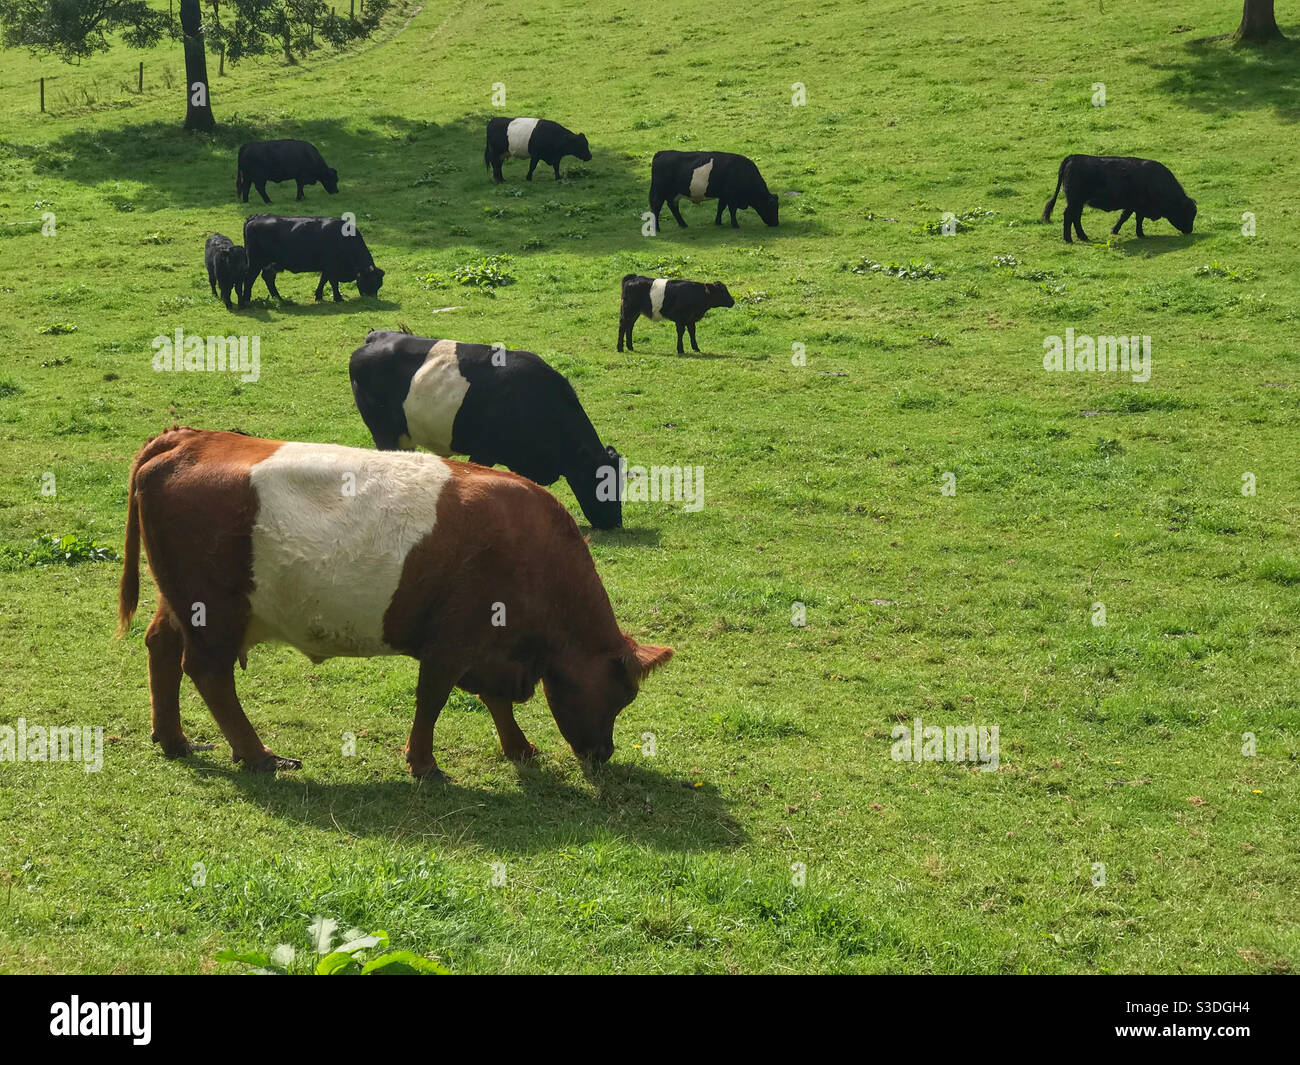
267,310
1216,76
644,536
543,812
1159,244
670,352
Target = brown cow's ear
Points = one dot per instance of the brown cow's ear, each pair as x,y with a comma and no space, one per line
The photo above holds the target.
642,658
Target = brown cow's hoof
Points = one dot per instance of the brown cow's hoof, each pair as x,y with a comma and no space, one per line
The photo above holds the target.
524,755
430,772
179,746
269,762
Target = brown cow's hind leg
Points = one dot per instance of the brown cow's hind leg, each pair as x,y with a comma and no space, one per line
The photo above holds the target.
215,680
514,744
165,643
431,693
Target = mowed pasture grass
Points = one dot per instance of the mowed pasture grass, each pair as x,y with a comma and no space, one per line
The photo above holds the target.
1120,744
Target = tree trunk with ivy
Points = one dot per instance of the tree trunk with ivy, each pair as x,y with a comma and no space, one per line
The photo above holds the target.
198,98
1258,23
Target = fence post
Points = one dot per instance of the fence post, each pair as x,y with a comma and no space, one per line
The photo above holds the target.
42,94
141,84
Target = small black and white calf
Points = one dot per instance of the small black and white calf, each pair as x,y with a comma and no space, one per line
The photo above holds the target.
1142,187
496,405
227,265
536,139
658,298
732,180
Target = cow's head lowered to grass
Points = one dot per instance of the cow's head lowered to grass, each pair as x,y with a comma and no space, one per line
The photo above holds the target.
329,180
1182,215
587,693
369,280
576,146
768,208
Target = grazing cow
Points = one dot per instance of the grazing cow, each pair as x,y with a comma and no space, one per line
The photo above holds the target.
494,405
307,245
1120,183
227,265
477,573
536,139
732,180
681,302
298,161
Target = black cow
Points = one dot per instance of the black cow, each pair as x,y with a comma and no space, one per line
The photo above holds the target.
263,161
536,139
495,405
732,180
682,302
227,265
1120,183
331,246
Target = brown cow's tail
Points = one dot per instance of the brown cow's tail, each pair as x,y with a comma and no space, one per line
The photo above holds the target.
128,591
1047,207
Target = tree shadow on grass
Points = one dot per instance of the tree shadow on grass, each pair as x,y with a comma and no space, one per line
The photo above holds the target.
395,174
546,811
1217,76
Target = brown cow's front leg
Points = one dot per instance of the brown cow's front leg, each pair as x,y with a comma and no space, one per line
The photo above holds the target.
214,676
431,692
166,644
514,744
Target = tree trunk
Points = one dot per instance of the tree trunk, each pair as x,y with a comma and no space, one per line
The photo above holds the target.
1258,22
198,99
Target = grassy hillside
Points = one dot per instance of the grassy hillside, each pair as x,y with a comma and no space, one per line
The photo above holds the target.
1120,744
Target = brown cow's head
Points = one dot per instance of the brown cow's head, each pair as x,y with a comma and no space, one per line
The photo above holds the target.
586,693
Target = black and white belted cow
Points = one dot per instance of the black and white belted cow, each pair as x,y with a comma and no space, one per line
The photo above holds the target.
661,299
497,406
732,180
538,140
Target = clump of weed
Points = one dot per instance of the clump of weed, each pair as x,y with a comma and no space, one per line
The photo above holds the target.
915,270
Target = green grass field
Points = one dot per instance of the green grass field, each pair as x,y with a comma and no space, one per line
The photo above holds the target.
771,830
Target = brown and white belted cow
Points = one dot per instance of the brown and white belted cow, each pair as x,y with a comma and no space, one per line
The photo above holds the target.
479,574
